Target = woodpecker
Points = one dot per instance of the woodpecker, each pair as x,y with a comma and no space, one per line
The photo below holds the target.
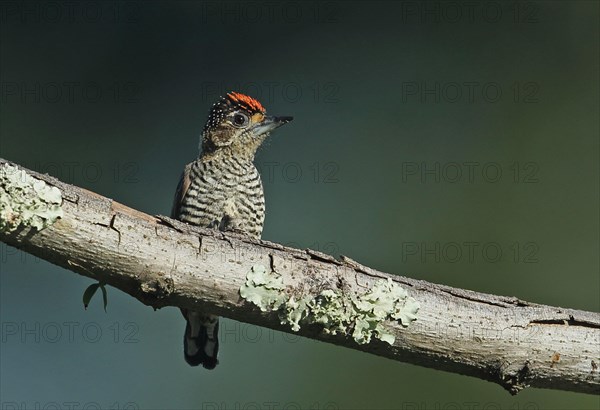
222,190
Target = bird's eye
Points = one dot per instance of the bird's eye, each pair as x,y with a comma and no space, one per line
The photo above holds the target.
240,120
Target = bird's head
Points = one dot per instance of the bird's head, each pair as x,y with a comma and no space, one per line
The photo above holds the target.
237,125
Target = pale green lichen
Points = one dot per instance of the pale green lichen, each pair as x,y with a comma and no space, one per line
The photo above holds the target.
26,201
332,310
361,315
263,288
295,311
386,300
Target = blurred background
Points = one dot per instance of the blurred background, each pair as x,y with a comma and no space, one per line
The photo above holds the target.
455,142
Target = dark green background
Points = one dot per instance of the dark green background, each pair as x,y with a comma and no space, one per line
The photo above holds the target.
113,96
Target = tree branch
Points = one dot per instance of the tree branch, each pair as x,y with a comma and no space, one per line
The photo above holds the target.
163,262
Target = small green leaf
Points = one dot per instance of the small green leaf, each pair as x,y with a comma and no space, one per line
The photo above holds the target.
89,293
104,296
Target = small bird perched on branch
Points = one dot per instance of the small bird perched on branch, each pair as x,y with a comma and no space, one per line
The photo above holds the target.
222,190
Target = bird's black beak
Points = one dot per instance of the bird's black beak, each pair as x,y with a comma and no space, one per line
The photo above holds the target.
282,120
269,123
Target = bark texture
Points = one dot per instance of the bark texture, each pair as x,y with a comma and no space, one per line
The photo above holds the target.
163,262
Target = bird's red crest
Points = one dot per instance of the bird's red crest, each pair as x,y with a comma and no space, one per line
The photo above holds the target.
244,100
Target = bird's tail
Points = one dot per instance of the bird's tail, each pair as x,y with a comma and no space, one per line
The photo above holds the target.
200,341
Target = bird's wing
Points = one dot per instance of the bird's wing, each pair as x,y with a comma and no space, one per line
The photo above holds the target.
182,187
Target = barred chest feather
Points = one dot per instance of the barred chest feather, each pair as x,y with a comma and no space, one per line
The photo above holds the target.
226,194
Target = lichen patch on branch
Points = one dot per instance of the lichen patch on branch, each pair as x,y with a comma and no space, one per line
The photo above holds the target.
26,201
360,315
263,289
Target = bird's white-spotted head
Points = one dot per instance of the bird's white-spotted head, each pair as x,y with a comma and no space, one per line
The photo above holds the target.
237,125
